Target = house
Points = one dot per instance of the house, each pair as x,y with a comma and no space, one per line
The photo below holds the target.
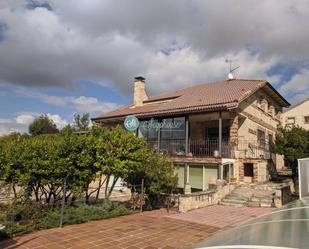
212,131
297,115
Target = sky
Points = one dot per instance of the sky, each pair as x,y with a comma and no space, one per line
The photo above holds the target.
76,56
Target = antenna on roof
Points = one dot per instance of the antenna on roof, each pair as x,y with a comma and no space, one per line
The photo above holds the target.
231,75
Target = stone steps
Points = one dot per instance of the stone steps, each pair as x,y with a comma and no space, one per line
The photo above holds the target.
232,204
250,195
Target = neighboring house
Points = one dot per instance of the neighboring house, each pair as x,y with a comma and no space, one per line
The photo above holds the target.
297,115
212,131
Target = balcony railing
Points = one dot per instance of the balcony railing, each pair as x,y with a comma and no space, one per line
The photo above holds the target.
200,148
210,148
254,149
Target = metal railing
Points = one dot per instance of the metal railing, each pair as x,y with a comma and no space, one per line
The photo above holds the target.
210,148
254,149
199,148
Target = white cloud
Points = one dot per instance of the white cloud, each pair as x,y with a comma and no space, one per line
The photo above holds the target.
298,86
59,121
21,121
78,103
25,119
91,104
10,125
112,41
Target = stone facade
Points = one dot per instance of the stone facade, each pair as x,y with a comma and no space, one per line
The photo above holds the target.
234,129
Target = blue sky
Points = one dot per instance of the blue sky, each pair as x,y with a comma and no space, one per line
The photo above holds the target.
61,57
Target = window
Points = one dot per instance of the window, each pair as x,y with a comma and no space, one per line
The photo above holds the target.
261,138
306,119
291,120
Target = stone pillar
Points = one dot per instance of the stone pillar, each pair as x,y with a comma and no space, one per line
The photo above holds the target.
255,172
221,171
140,94
234,129
241,171
187,187
204,176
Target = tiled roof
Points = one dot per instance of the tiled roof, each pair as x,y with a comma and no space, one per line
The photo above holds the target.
222,95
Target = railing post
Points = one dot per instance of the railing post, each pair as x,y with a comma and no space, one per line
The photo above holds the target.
159,139
187,136
220,134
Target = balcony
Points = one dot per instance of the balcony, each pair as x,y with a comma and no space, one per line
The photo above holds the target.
196,148
210,148
253,149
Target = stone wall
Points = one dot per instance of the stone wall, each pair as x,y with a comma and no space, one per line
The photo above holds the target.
203,199
285,193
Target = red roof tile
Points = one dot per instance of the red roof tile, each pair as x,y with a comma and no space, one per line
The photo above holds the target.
220,95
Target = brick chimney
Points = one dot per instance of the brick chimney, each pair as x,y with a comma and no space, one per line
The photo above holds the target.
140,94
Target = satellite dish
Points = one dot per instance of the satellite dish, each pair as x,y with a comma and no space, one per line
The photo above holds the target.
230,76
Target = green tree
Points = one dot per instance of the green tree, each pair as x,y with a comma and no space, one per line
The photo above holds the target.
11,162
117,152
293,143
42,125
158,174
42,164
81,122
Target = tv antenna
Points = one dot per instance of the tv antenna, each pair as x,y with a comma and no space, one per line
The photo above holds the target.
231,75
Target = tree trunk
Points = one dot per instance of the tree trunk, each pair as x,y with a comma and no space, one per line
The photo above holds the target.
87,195
112,187
99,188
106,187
14,191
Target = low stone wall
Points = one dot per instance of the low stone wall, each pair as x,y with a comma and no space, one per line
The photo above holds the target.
203,199
283,195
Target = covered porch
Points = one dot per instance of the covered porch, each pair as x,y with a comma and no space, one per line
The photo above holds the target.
198,135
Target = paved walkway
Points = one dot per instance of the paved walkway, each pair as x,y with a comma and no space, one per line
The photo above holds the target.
150,230
222,216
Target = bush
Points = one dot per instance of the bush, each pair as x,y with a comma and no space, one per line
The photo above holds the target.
19,220
21,216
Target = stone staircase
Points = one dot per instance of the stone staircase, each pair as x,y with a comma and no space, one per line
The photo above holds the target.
250,195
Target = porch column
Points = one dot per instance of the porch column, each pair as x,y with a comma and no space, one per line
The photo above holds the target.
220,171
204,177
220,134
159,140
187,136
187,187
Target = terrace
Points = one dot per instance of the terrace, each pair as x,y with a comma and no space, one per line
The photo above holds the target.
201,136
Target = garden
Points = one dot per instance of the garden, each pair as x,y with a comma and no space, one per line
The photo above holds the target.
50,169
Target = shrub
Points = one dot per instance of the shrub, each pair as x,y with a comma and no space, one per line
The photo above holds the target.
19,221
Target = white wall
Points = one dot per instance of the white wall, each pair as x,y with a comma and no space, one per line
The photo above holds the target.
298,112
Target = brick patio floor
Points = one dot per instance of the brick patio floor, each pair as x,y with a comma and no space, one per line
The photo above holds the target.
222,216
155,229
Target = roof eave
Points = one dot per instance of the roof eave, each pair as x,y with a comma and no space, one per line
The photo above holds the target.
198,109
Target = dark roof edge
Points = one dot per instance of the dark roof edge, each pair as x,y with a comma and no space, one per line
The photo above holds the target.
197,109
282,98
266,83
